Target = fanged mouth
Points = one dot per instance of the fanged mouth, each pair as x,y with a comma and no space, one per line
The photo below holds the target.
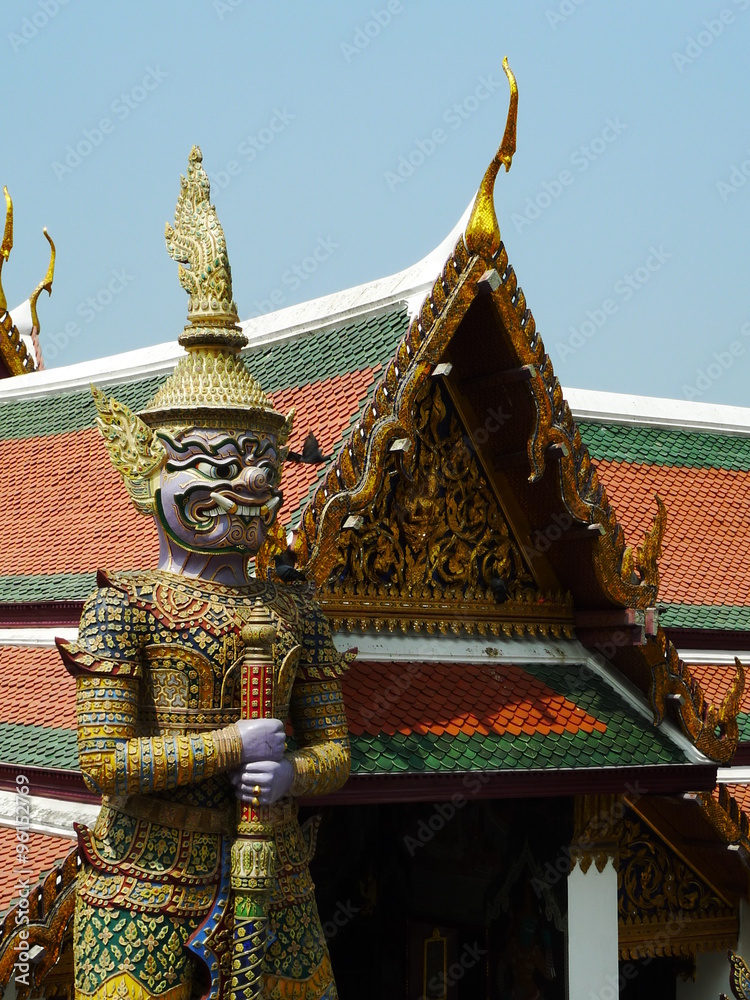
224,504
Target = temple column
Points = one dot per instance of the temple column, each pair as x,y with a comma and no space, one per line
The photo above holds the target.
592,899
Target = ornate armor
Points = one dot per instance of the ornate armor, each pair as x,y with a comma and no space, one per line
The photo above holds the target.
157,699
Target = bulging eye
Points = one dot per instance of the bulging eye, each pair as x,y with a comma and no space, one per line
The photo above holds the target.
226,470
269,470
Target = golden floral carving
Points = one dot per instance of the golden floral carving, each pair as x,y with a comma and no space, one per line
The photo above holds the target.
665,908
597,829
435,537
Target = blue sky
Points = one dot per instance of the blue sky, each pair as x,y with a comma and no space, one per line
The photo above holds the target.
626,213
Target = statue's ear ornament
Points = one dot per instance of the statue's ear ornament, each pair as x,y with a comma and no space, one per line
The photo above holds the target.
133,447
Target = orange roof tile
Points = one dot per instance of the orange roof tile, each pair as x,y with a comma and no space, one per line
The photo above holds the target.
37,690
40,854
474,699
705,558
82,518
72,481
740,794
714,679
325,408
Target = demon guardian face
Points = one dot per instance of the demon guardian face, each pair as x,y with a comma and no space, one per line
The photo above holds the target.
218,489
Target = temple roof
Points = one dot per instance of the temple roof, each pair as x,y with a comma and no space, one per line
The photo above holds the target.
328,375
448,347
475,711
331,362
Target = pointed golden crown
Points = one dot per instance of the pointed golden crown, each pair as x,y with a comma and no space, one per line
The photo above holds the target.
210,384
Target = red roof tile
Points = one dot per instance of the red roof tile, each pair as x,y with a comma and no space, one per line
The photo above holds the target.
740,794
714,679
474,699
706,556
37,690
82,518
325,408
39,855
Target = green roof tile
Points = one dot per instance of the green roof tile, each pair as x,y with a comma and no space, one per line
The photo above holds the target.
53,587
734,617
659,446
743,721
38,746
310,357
628,739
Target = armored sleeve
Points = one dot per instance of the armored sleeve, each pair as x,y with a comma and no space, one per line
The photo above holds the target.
322,760
107,665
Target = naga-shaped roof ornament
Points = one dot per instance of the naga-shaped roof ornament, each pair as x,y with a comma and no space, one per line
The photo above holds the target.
482,234
210,385
14,354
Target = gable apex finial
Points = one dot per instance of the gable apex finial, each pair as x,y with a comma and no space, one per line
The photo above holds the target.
482,234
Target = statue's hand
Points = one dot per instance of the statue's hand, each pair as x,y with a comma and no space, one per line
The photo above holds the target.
262,739
273,777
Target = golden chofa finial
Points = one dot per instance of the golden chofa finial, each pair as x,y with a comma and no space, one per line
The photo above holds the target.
482,234
197,242
45,285
5,248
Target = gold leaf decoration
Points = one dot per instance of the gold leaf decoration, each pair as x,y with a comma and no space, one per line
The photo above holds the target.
436,530
133,448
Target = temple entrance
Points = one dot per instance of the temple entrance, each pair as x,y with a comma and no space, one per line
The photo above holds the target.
440,902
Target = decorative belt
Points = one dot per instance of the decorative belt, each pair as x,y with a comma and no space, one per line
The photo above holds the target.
197,819
178,815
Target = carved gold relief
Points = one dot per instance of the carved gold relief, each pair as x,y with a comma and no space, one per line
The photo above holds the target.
665,907
435,537
13,352
726,816
628,577
597,830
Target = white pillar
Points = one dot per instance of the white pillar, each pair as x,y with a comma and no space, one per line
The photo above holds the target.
592,933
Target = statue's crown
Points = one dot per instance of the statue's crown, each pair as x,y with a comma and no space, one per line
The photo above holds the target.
210,385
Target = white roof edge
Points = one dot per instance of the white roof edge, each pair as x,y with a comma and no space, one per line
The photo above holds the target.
406,286
653,411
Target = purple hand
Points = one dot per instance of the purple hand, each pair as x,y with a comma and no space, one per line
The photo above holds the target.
273,777
262,739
